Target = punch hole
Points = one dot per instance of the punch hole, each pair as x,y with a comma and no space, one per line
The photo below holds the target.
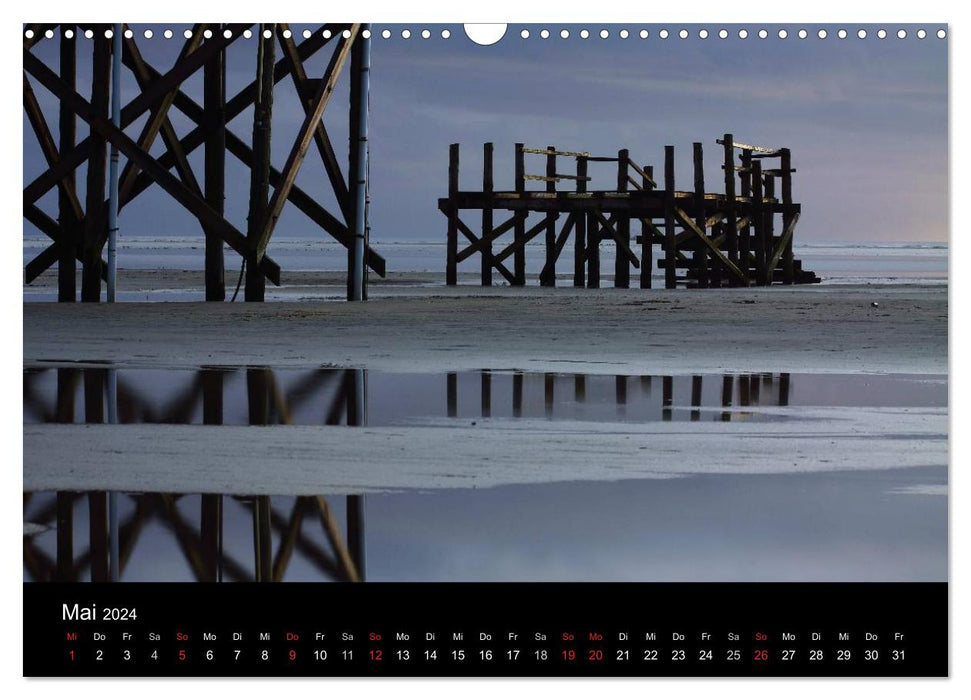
644,34
624,33
941,34
446,34
487,34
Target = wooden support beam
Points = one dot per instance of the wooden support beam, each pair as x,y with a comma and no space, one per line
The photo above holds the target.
299,150
65,536
547,277
214,104
528,235
580,225
562,239
142,103
621,229
517,395
486,262
451,259
744,232
467,232
758,222
747,147
788,263
259,183
730,212
484,242
784,245
98,534
485,392
700,254
768,229
686,221
321,137
150,165
452,240
519,263
288,541
332,530
95,231
646,173
647,227
593,251
68,207
623,247
670,250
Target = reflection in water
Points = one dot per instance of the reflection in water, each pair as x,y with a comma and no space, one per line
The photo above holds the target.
238,538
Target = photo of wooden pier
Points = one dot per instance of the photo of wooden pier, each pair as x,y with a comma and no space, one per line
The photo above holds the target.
314,302
714,240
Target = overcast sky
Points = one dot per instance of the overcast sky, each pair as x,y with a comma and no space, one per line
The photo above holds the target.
866,121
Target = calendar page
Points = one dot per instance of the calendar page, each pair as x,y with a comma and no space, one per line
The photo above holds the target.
362,349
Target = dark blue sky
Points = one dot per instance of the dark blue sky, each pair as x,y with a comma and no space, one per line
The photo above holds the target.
866,121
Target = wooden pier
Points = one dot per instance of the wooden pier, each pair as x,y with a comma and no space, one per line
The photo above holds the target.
740,237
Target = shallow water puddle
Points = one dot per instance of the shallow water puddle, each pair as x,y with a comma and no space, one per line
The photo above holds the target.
328,396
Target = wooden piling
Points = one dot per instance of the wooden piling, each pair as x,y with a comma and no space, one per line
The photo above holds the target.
98,534
579,388
670,246
731,232
622,224
647,235
550,279
517,394
580,229
486,394
95,224
727,384
549,392
451,265
768,227
487,190
214,116
64,568
700,253
784,389
67,216
745,233
620,389
785,166
696,397
255,288
451,394
667,397
210,517
758,223
519,257
593,252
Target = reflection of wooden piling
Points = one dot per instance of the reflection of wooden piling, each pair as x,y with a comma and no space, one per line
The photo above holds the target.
620,389
67,382
667,397
355,534
486,394
755,388
94,392
727,384
784,389
517,394
211,516
451,264
451,394
580,229
258,395
65,536
98,534
579,388
696,396
262,540
744,395
549,389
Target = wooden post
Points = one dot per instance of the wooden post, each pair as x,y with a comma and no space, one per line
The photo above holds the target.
593,252
487,214
647,236
519,257
620,389
95,226
769,228
580,229
67,125
670,245
785,165
784,389
451,266
758,222
744,397
260,172
214,104
731,231
727,384
550,279
700,254
745,235
622,225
